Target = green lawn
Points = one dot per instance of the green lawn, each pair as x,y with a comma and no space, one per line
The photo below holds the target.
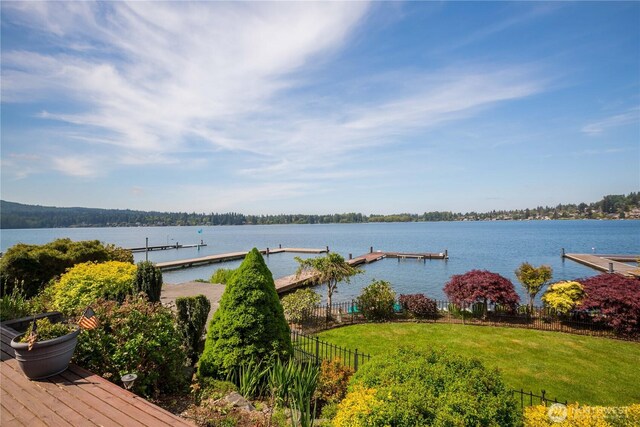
595,371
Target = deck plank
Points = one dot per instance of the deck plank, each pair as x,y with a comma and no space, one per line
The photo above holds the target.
49,410
75,397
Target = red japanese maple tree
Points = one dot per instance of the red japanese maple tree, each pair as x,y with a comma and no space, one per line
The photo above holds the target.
481,286
615,300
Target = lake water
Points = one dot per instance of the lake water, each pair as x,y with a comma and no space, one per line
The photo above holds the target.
498,246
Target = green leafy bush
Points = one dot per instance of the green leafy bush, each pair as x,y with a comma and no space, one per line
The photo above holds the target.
221,276
299,305
148,280
410,388
14,305
84,283
192,319
376,301
249,324
34,266
135,337
47,330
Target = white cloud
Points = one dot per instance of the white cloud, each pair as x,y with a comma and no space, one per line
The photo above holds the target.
151,80
628,117
76,166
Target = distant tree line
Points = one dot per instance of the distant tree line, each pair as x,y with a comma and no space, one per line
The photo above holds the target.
16,215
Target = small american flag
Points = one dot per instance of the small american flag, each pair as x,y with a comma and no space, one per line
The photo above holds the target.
88,320
33,335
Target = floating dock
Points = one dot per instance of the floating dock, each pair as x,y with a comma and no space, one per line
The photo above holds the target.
607,263
232,256
291,282
165,247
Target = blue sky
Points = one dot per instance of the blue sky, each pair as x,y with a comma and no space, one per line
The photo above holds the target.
319,107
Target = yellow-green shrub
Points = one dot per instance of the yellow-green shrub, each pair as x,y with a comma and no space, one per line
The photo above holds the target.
563,296
582,416
355,409
82,284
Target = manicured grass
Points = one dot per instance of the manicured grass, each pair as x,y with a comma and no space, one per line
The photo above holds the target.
589,370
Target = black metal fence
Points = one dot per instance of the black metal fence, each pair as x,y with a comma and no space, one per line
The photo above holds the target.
539,318
311,349
308,348
529,398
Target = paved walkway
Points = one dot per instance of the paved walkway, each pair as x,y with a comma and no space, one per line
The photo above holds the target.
213,293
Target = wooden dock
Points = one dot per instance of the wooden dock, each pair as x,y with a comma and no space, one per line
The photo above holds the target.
165,247
75,397
212,259
291,282
607,263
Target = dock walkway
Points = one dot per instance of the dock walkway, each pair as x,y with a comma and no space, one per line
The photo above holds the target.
75,397
291,282
212,259
605,262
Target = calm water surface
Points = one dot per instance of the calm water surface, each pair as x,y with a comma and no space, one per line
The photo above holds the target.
499,246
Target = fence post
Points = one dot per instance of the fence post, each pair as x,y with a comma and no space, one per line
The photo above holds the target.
317,351
355,364
544,401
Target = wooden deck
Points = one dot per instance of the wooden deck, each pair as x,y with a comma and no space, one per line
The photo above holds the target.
212,259
602,263
75,397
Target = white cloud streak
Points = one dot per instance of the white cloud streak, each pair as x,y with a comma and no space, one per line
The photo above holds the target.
150,80
625,118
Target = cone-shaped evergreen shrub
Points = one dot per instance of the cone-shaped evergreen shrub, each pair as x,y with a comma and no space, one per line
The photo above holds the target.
149,280
249,324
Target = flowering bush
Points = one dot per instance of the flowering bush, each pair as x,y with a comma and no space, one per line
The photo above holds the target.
356,408
134,337
481,286
575,415
419,305
615,299
84,283
376,301
299,305
563,296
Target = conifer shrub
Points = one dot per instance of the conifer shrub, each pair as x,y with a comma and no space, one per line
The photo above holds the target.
419,306
615,300
249,325
138,337
84,283
34,266
376,301
436,388
149,280
192,315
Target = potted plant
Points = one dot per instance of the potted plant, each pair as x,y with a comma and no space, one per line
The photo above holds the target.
48,352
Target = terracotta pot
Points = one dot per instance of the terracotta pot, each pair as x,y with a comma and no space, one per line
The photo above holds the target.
46,358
